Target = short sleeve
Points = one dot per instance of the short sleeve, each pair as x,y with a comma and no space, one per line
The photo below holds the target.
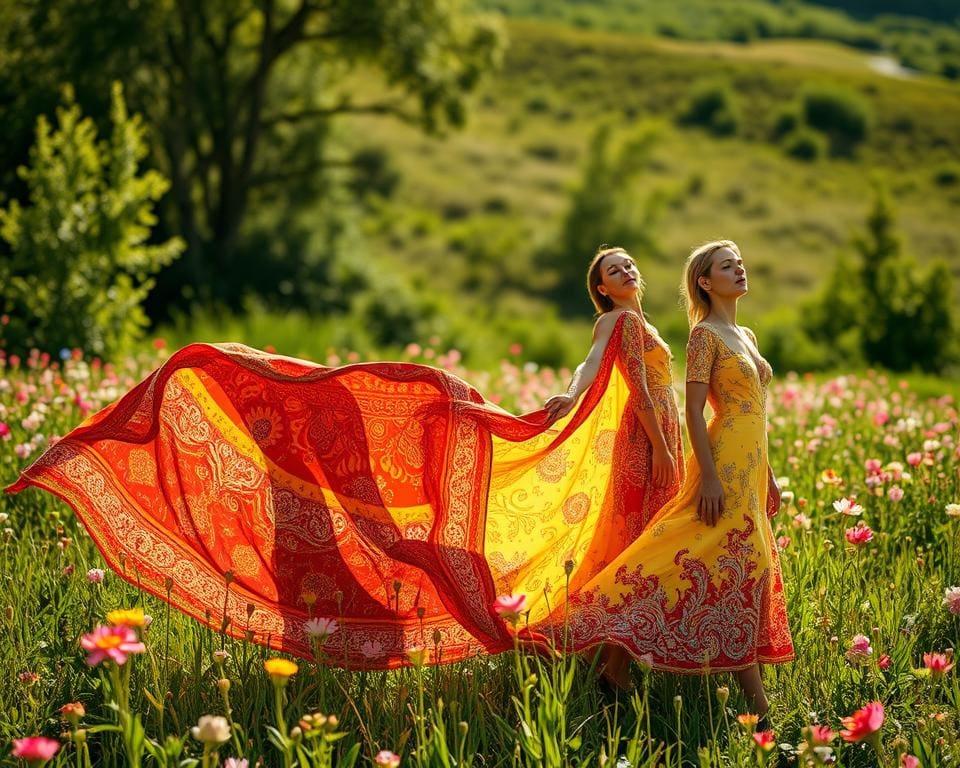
701,352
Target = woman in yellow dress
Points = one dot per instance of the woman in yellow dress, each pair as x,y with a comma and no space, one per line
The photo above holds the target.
700,589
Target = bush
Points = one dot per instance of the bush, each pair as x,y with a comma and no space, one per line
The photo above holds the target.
712,106
785,123
947,175
804,144
79,265
841,115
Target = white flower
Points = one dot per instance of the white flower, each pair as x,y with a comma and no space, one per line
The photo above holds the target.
953,510
319,627
951,600
211,729
848,507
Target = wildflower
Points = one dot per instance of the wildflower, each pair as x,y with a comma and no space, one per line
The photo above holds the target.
863,723
28,678
387,759
953,510
36,750
914,459
4,430
829,477
220,657
114,643
848,506
937,663
320,628
909,761
764,740
73,712
748,720
417,655
884,661
95,575
280,670
860,534
236,762
126,617
211,729
860,646
951,600
895,494
723,693
819,735
787,497
509,607
800,520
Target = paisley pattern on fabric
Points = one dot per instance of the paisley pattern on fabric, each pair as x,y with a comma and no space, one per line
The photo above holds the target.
254,491
692,596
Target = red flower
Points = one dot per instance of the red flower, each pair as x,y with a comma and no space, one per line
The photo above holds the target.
765,740
884,661
820,735
863,723
860,534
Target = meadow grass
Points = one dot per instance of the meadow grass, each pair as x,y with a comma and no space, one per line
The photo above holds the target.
867,436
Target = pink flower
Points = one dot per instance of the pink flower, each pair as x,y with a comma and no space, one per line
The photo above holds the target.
884,661
914,459
909,761
783,542
111,643
387,759
28,678
236,762
859,649
937,663
95,575
509,607
863,723
860,534
320,627
895,494
36,750
873,466
765,740
4,430
951,600
820,735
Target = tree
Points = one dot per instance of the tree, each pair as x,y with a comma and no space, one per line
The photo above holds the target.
604,209
80,264
243,93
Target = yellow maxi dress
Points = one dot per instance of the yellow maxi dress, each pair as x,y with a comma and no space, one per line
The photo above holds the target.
696,597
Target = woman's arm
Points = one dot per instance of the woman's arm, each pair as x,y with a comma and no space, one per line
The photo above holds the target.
560,405
710,499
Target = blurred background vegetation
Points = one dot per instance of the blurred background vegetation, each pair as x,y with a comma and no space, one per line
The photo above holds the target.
363,174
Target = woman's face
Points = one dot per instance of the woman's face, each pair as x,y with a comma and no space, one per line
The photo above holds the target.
619,276
727,276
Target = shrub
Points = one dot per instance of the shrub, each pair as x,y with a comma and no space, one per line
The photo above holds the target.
947,175
841,115
79,265
712,106
804,144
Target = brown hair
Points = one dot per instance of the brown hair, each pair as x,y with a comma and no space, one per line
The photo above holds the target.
697,300
594,278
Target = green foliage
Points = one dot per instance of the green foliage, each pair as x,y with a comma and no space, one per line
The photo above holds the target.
604,209
804,144
901,318
80,262
713,106
841,115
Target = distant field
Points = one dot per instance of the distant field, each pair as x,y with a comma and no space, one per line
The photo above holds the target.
471,210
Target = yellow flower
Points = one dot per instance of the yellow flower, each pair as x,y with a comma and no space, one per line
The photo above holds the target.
280,669
126,617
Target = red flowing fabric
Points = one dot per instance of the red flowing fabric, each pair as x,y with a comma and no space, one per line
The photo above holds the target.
255,491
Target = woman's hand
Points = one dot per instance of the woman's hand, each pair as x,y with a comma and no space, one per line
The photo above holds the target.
559,405
710,500
773,496
664,467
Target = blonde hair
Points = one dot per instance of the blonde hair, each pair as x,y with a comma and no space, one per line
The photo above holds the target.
697,300
604,303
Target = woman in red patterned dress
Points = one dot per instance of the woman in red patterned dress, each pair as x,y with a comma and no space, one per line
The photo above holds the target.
648,451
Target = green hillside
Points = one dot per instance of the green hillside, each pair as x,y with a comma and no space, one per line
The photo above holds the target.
476,211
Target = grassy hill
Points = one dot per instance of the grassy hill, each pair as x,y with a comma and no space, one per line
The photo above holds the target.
472,212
